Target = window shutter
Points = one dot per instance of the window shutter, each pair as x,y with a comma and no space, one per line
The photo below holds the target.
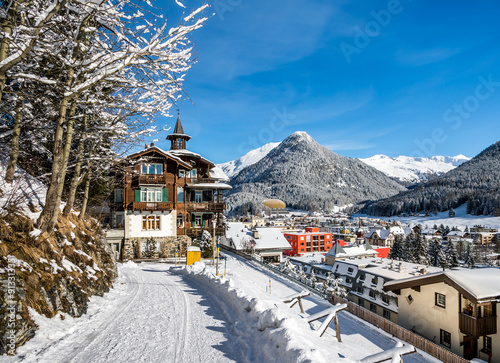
137,195
165,195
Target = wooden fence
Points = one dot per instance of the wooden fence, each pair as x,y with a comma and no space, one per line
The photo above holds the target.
401,333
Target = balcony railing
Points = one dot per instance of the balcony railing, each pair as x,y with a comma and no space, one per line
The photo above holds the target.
209,207
477,327
159,179
198,231
151,206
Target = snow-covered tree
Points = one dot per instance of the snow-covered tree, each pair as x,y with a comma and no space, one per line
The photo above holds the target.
206,244
451,255
469,258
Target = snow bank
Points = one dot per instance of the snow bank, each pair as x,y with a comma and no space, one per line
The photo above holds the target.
270,325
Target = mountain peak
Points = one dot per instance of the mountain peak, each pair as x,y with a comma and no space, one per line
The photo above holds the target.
299,136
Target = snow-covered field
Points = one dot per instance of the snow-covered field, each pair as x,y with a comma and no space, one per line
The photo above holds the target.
162,313
461,219
414,169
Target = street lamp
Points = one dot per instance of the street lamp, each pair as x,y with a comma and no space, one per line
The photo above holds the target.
214,222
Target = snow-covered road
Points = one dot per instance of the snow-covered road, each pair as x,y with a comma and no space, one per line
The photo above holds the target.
155,316
159,313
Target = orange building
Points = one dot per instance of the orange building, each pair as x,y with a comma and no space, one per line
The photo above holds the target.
311,240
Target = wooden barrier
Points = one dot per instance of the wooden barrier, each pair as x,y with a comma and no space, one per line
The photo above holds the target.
399,332
296,298
331,315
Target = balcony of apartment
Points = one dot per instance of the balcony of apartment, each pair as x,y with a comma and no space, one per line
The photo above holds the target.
205,207
155,179
194,232
151,206
477,327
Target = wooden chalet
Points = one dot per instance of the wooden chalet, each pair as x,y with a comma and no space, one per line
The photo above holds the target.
169,196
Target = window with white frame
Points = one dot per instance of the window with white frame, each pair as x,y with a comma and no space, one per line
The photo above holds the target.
151,194
386,313
182,173
192,174
151,169
151,223
180,221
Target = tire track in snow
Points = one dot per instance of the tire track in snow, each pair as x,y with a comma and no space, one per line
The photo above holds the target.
106,325
76,351
183,329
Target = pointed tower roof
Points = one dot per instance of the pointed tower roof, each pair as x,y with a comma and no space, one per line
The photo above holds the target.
178,137
178,129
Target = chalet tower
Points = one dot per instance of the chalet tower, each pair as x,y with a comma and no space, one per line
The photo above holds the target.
168,198
178,138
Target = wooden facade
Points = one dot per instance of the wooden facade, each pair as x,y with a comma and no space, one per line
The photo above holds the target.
178,182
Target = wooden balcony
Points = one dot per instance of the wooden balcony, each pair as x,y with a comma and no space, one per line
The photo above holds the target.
198,231
151,206
155,179
477,327
205,207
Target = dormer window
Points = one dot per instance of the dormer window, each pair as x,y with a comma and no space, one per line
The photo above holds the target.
151,169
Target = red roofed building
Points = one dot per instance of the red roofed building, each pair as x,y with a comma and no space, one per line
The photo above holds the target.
311,240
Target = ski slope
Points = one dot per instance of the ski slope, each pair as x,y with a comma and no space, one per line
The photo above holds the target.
162,313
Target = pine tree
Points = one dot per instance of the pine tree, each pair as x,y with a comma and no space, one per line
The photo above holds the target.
469,258
435,253
450,254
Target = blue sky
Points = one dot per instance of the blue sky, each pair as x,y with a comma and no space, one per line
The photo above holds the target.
404,77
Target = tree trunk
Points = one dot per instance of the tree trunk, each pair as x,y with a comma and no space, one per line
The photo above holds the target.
76,177
7,26
50,212
85,194
14,148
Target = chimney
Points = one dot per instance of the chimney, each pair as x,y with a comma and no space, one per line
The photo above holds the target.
255,234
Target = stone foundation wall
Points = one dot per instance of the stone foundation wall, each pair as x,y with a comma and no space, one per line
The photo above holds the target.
132,247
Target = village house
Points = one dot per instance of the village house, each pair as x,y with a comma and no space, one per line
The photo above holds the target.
364,278
309,240
454,308
266,243
166,199
380,237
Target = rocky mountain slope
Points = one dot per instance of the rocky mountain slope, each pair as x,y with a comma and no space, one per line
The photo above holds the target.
475,182
306,175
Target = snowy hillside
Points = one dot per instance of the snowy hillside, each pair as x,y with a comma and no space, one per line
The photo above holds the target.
233,167
414,169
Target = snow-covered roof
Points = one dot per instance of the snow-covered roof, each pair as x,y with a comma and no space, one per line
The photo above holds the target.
382,233
218,174
210,186
480,284
161,151
184,152
456,234
338,251
269,238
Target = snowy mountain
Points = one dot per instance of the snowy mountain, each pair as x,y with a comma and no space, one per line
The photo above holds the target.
233,167
414,169
306,175
475,182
